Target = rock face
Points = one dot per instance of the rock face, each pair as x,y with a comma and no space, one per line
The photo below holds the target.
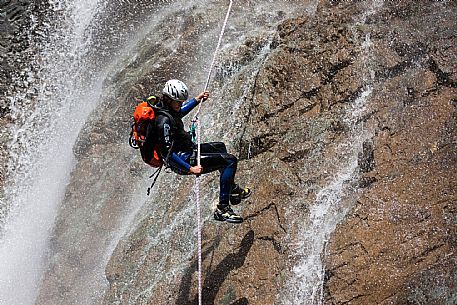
19,41
14,18
343,120
113,202
398,244
294,121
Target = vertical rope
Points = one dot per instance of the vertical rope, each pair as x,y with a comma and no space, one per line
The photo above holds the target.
218,44
215,53
199,225
197,180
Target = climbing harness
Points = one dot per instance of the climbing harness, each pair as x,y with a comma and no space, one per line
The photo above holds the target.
196,122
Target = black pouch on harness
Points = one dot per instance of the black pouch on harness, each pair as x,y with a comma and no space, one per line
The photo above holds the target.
193,158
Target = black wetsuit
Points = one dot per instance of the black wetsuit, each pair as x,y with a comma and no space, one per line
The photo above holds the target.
179,152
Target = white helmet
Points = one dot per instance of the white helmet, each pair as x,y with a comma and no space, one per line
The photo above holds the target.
176,90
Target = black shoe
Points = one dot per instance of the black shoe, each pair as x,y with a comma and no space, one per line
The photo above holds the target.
237,194
227,214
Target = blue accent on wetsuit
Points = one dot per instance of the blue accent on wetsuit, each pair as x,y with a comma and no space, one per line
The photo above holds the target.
187,107
180,159
177,144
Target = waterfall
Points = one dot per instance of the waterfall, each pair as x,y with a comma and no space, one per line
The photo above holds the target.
47,123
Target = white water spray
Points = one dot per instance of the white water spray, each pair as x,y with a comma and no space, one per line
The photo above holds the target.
326,212
43,135
333,201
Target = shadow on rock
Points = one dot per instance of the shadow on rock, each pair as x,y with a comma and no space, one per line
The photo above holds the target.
215,278
242,301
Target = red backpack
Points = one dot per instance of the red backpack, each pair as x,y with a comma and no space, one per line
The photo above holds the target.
143,115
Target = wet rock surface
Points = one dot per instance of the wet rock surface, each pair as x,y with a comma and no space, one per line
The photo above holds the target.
93,217
288,131
21,31
293,123
14,54
281,127
397,246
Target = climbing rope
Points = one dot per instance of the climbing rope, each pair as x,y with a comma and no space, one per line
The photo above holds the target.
216,51
197,180
199,224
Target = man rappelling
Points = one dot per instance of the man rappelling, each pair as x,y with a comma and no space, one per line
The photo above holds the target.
164,135
161,137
